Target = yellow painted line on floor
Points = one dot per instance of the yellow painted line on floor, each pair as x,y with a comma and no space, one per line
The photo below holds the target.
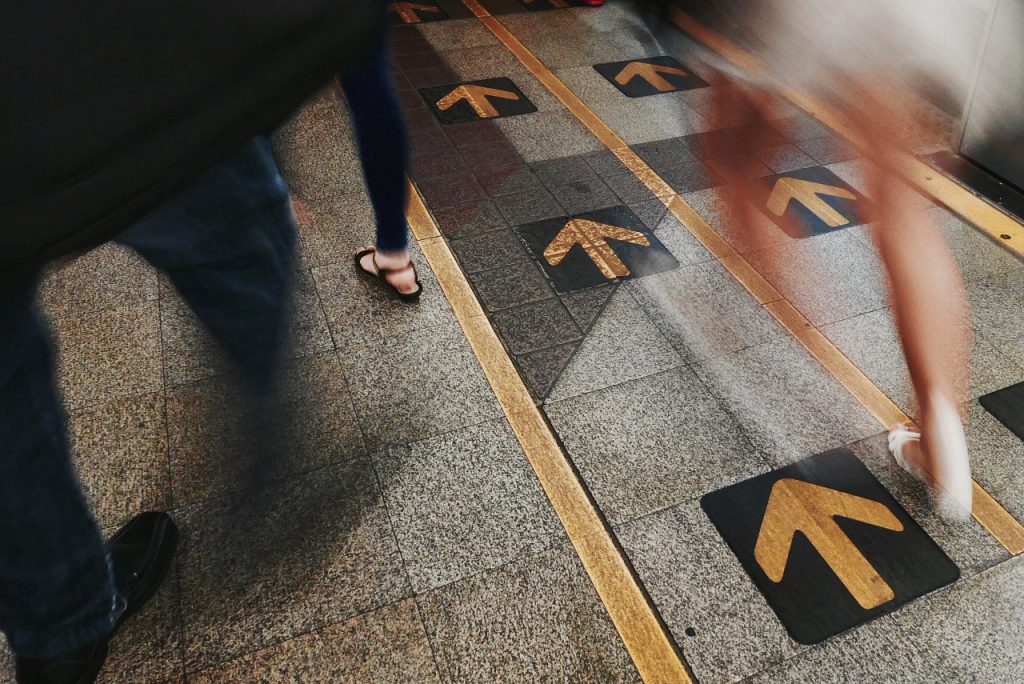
979,212
1006,529
646,640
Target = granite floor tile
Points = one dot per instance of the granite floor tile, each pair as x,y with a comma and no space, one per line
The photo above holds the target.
492,156
358,308
540,369
588,85
690,176
263,568
408,389
556,172
457,34
536,326
580,197
786,403
585,305
474,64
855,172
656,120
971,630
108,354
605,163
788,157
449,191
630,189
650,212
967,544
829,149
464,502
215,448
474,134
548,135
997,309
445,163
494,249
529,207
470,219
622,345
108,276
871,342
509,181
802,127
512,285
387,646
715,207
996,458
538,619
685,247
662,154
976,255
828,277
716,614
331,230
878,651
651,443
704,312
120,452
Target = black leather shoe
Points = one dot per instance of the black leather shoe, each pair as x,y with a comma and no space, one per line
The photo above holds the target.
142,552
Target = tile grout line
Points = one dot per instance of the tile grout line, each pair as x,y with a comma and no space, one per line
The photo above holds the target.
646,639
1006,529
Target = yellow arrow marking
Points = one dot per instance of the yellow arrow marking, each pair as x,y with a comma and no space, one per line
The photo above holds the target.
476,96
650,73
408,11
807,193
592,237
797,506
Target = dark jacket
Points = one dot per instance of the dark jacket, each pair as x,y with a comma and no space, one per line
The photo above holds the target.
108,107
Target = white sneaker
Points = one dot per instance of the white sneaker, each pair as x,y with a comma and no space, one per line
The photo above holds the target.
950,486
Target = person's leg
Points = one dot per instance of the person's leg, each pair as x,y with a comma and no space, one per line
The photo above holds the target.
384,154
57,588
228,244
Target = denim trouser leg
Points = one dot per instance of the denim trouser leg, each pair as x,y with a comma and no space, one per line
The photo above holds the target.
56,584
228,245
383,142
227,242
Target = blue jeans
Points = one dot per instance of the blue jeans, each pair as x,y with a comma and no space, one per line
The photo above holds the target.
227,243
382,139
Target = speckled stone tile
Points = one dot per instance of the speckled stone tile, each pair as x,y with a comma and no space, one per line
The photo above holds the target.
108,276
315,150
629,188
651,443
976,255
213,449
786,403
971,630
548,135
828,277
997,309
580,197
331,229
457,34
870,341
190,353
360,310
287,560
536,326
605,163
588,85
585,305
464,502
120,451
622,345
715,208
387,646
410,388
109,354
538,619
686,248
996,458
650,212
529,207
556,172
828,149
656,120
540,369
493,249
663,154
470,219
450,190
801,127
967,544
703,311
783,158
509,181
877,652
716,614
512,285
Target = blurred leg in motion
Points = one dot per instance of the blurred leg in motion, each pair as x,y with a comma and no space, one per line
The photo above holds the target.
384,155
57,588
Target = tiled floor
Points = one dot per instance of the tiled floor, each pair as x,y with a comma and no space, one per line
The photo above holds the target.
400,534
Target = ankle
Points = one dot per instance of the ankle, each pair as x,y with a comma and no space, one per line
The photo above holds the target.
393,259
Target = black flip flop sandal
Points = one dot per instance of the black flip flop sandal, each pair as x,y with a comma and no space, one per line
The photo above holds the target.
382,273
